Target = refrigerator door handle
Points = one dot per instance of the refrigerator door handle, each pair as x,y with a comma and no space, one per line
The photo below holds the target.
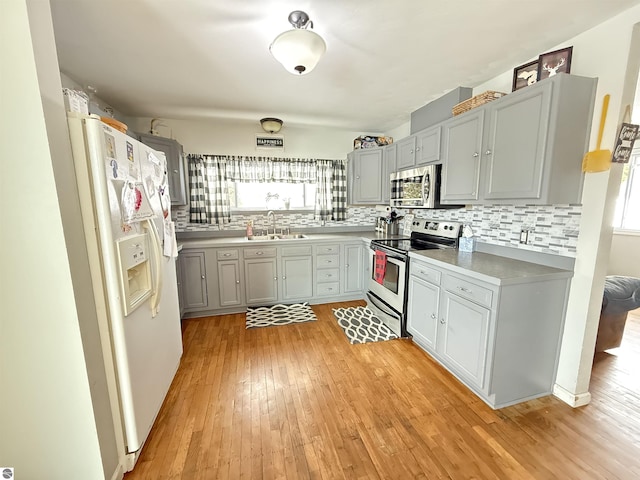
157,256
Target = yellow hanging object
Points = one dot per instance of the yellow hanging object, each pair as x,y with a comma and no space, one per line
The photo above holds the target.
598,160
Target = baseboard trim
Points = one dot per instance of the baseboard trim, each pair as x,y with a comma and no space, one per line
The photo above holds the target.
571,399
119,473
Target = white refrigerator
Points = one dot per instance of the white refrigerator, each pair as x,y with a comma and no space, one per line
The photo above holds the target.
126,216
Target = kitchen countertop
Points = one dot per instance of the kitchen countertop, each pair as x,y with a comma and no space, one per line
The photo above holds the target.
490,268
309,237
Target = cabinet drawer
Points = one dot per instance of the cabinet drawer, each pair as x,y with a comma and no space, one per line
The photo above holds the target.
259,252
468,290
425,272
227,254
325,289
327,261
296,251
327,275
322,249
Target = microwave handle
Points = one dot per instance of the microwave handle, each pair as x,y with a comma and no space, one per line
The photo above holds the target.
426,187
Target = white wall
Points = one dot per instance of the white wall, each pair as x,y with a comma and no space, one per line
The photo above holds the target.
48,427
225,137
602,52
625,255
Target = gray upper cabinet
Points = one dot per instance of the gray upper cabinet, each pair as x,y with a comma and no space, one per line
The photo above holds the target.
176,171
406,153
461,153
389,162
428,145
367,173
524,148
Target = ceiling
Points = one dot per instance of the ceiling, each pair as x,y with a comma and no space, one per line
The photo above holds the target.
194,59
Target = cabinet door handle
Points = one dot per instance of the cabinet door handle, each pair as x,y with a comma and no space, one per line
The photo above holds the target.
202,277
476,154
284,277
442,321
411,151
227,255
357,178
417,149
433,315
175,171
347,265
488,152
465,290
237,281
275,278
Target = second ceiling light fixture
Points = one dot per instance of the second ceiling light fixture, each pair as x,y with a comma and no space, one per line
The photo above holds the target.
298,50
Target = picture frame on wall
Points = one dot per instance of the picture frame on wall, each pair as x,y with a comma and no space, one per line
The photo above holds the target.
525,75
552,63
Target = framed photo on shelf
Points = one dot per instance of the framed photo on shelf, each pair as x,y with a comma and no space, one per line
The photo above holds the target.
552,63
525,75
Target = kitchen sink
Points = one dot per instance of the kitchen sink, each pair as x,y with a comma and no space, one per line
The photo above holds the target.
271,236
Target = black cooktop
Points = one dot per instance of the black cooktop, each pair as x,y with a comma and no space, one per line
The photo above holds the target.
405,244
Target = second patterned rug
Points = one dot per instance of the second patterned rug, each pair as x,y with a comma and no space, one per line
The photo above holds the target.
360,325
279,315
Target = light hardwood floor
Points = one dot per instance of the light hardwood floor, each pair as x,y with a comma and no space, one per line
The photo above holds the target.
300,402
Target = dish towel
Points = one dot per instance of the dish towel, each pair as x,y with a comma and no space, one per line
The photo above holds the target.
380,266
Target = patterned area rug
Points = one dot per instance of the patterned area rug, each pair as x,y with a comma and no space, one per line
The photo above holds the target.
360,325
279,315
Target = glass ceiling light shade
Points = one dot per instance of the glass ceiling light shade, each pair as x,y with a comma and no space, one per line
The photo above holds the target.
271,125
298,50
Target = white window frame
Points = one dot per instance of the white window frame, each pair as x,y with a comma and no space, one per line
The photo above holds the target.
633,179
258,209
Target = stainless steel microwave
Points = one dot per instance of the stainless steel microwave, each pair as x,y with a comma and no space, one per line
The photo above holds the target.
417,188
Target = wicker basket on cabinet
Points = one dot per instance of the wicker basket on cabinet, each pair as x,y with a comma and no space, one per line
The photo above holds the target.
476,101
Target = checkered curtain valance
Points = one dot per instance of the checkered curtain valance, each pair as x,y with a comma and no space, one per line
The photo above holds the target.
209,174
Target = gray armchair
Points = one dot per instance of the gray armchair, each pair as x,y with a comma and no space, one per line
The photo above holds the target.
621,294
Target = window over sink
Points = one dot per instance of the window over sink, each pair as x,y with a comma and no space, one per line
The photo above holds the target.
271,196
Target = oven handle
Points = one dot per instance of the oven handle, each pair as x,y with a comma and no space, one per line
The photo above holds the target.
376,304
389,255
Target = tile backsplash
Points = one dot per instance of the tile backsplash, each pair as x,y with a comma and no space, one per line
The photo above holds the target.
553,228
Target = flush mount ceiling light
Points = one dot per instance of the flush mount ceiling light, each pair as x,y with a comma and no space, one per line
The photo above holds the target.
271,125
298,50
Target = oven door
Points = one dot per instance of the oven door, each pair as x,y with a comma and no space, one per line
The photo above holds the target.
392,288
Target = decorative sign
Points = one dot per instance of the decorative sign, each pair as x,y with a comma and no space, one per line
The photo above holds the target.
269,142
624,145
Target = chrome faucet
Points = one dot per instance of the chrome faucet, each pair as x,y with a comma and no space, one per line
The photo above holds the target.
271,214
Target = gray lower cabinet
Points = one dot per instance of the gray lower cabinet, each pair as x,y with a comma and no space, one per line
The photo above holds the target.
229,278
367,174
176,169
179,285
194,280
462,340
261,275
353,268
327,270
423,310
501,340
524,148
297,272
226,280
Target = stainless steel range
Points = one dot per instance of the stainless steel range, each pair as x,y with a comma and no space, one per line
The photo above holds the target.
387,295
